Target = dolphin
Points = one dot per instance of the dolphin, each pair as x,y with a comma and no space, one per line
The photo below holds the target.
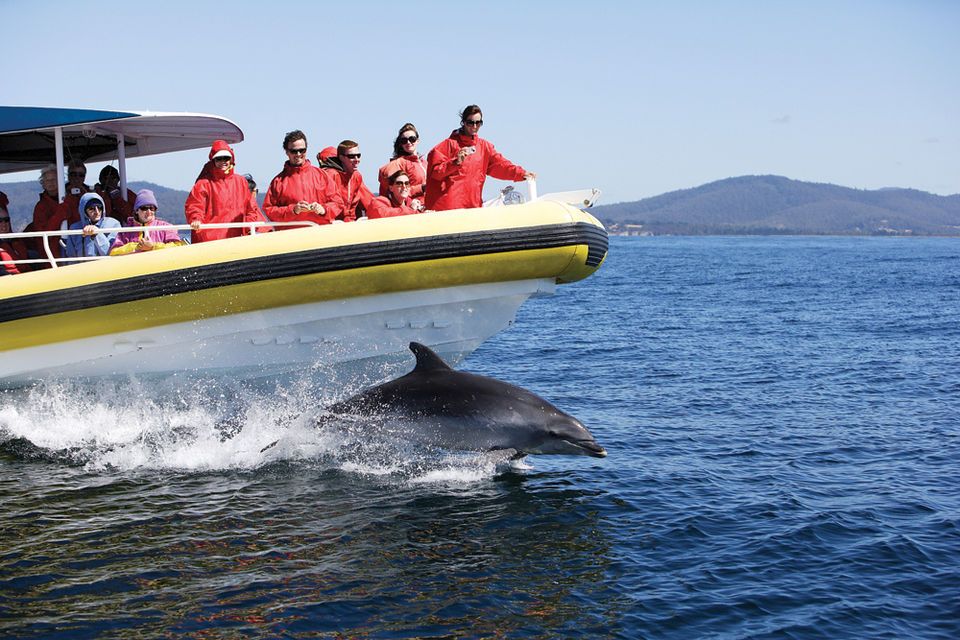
435,404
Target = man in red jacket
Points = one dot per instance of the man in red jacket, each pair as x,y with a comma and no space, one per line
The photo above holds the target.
343,170
301,192
220,195
458,166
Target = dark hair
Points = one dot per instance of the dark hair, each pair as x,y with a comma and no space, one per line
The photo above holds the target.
396,176
293,136
108,170
251,183
470,110
346,144
398,143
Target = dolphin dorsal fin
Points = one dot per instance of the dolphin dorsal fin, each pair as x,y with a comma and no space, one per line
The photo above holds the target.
427,360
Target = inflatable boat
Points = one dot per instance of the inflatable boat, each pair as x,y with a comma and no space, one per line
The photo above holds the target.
331,302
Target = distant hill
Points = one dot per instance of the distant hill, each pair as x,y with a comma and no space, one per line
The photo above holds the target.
744,205
778,205
23,196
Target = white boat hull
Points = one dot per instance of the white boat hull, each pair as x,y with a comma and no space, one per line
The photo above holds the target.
336,342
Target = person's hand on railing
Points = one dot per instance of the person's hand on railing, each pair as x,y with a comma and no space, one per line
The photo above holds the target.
195,225
91,230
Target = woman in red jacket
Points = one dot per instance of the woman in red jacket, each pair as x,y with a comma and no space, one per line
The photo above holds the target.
397,202
405,158
458,166
221,195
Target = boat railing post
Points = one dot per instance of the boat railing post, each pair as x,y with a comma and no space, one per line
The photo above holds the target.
46,250
531,189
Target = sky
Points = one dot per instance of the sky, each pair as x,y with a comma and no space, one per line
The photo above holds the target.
635,98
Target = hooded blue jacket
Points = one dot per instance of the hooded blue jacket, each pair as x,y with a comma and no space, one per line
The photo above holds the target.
90,246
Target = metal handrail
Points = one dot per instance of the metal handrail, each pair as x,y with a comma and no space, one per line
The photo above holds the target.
46,235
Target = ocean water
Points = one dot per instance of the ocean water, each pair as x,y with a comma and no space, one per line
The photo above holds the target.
782,417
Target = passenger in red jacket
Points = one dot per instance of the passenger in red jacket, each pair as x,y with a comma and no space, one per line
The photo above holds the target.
343,170
109,189
405,158
458,166
302,192
222,196
397,202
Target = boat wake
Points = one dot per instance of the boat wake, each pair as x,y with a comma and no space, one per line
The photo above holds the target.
219,425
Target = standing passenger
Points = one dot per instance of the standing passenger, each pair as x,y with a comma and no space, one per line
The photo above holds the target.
221,195
93,242
458,166
301,192
343,170
405,158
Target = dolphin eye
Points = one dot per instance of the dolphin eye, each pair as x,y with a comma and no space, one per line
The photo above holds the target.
553,434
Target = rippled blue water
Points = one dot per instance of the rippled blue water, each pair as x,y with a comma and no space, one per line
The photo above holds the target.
783,422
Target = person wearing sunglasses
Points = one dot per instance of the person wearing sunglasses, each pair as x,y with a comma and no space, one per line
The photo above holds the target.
342,166
94,222
220,195
397,202
301,192
458,166
159,235
405,158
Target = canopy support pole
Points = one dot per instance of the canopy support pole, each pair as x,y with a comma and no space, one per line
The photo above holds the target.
58,142
122,161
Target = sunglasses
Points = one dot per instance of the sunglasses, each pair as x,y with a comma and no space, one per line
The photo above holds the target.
4,219
402,183
473,123
148,207
353,156
409,140
76,174
94,207
297,152
223,159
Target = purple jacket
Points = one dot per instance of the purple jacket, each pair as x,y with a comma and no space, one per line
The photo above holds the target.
161,236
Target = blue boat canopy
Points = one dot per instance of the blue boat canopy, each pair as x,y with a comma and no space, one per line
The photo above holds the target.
28,135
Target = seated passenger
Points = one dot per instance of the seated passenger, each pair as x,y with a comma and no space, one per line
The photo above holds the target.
10,248
220,195
108,188
69,210
144,215
94,242
342,169
458,166
405,158
301,192
46,208
397,202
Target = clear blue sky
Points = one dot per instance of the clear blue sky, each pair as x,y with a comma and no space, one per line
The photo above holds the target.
636,98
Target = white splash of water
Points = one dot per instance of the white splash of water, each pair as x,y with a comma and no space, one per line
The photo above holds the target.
129,425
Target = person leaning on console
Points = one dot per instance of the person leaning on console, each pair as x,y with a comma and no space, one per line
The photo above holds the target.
160,235
405,158
458,166
301,191
96,239
341,165
220,195
397,202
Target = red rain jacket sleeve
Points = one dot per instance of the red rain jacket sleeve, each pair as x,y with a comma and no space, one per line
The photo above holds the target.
381,207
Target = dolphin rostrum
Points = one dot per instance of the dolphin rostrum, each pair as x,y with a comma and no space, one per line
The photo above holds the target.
437,405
